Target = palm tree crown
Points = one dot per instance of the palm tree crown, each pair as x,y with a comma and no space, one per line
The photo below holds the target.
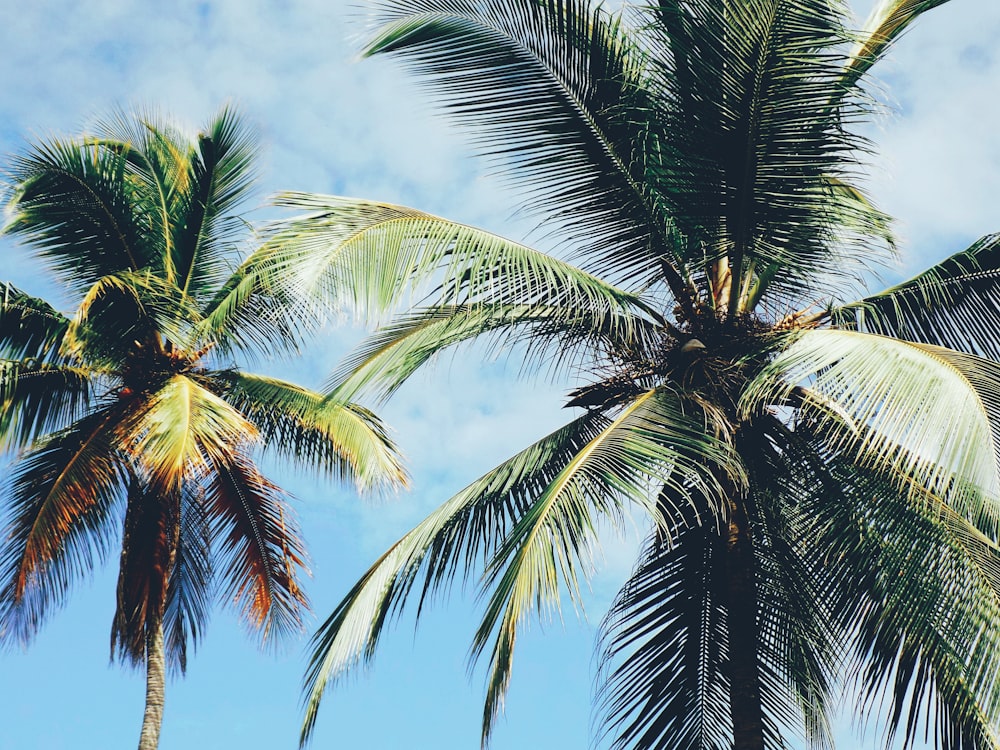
819,470
130,416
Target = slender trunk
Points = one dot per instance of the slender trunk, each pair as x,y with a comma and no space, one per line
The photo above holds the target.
156,674
745,705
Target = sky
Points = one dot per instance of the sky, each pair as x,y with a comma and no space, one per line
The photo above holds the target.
331,124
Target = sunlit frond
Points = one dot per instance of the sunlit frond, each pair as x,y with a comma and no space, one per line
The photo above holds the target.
886,23
914,588
454,541
371,258
344,439
179,430
255,311
562,338
915,409
657,440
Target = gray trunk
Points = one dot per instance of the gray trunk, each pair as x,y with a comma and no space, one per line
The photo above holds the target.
156,677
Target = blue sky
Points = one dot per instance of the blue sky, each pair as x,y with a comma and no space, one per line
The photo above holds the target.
331,125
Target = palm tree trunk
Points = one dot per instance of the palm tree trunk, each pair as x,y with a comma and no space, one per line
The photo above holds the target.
156,674
745,699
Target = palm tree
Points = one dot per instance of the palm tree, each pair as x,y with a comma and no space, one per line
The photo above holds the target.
130,417
817,463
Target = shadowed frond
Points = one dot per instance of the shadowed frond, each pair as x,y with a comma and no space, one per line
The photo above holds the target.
955,303
60,499
149,544
30,328
260,554
344,439
72,204
38,398
664,646
555,92
189,592
220,180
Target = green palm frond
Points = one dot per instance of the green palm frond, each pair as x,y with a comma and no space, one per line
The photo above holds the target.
914,588
922,411
38,398
253,312
57,519
565,338
556,93
955,303
657,440
344,439
72,204
454,541
259,549
220,180
371,258
752,145
30,328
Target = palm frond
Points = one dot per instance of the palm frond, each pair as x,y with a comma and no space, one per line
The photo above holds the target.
72,203
554,91
259,550
752,146
176,433
29,327
190,587
886,23
914,588
220,178
344,439
253,312
918,410
454,541
664,647
955,303
566,338
38,398
149,544
371,258
657,440
57,520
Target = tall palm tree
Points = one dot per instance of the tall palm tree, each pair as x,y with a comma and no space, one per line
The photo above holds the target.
131,418
817,463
